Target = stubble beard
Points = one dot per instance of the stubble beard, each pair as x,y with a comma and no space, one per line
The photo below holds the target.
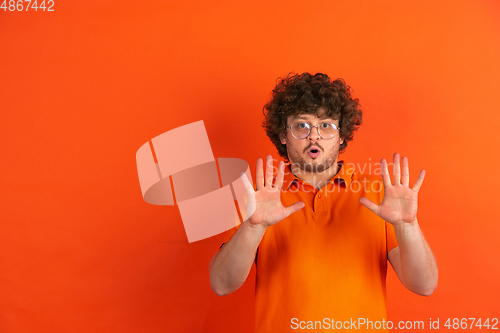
314,167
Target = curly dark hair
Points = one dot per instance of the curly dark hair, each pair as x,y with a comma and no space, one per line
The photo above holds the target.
311,94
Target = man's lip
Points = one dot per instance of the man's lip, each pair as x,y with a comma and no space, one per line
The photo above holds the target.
314,155
314,147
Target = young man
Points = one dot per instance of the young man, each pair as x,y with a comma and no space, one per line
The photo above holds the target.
321,256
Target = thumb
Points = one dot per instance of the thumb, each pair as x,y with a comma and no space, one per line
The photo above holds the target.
246,183
369,204
294,208
249,198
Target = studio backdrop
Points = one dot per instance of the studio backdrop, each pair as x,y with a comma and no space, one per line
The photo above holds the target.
84,84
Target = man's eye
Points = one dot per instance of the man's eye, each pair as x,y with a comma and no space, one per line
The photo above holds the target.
303,125
325,125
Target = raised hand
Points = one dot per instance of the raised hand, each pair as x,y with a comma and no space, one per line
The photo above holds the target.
400,201
268,207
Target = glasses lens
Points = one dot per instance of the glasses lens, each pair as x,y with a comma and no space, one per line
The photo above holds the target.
300,130
327,130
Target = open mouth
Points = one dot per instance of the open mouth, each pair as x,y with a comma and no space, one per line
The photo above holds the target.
314,152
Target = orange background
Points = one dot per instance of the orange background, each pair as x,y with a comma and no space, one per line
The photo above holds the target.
82,88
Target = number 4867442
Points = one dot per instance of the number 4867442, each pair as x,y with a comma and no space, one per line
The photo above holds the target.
469,323
25,5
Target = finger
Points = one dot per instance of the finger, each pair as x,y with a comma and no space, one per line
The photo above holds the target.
251,206
386,179
279,177
246,183
370,205
419,181
259,174
269,171
405,175
396,170
294,208
249,198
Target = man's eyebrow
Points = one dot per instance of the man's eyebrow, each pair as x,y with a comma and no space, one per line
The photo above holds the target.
301,117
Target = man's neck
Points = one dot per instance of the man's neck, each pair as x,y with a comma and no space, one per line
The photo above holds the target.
316,179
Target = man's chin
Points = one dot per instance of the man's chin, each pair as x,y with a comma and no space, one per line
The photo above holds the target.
313,167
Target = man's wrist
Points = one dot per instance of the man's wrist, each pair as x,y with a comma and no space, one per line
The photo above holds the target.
257,228
406,227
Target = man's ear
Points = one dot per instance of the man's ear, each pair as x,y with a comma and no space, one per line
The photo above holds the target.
283,139
341,140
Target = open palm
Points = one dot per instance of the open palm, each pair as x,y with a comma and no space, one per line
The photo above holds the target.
268,207
400,201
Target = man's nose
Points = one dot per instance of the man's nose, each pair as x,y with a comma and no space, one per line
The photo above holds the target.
314,134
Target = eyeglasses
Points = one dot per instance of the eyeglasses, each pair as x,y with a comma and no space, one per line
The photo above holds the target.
301,130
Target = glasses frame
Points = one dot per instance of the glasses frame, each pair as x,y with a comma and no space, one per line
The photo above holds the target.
311,127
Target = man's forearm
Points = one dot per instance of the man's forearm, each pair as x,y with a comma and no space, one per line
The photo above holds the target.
230,266
418,264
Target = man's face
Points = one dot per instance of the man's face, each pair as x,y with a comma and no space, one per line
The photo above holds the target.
312,154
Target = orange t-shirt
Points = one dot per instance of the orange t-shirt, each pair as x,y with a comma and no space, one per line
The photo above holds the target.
327,261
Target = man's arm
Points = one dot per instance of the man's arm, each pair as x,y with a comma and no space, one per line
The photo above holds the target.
413,261
230,266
